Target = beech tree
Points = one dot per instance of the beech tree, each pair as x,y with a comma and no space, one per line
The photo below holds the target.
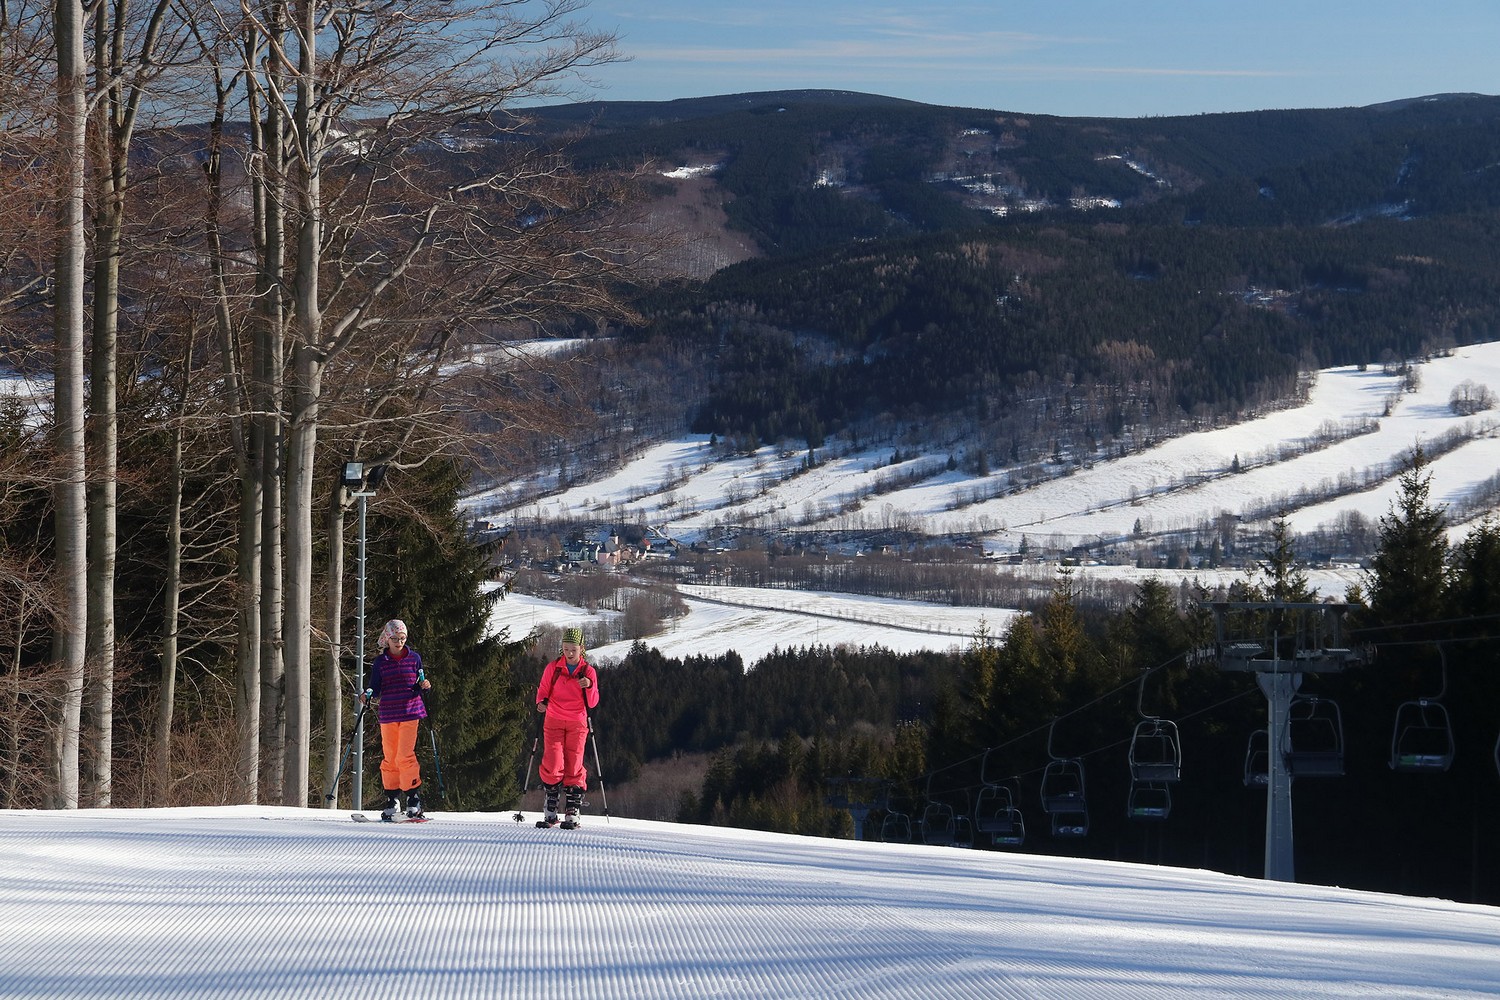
69,276
131,53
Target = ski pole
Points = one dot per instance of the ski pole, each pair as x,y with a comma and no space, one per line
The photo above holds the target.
526,778
437,761
598,768
350,749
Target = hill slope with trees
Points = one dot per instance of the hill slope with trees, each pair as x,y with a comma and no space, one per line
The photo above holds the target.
968,269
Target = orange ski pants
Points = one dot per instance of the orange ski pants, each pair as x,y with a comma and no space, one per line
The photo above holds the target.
399,770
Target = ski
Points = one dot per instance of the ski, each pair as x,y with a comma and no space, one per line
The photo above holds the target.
362,818
542,824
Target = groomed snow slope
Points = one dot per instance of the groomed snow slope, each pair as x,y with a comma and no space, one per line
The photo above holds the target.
275,902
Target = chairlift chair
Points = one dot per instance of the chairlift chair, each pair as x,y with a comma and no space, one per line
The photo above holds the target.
1155,747
1258,759
963,831
1062,786
1314,738
992,808
1422,739
1062,782
1149,800
995,811
1014,833
938,825
997,816
1070,824
895,827
1155,751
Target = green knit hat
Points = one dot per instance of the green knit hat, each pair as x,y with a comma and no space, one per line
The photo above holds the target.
573,635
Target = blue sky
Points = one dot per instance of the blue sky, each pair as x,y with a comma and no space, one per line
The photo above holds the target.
1113,58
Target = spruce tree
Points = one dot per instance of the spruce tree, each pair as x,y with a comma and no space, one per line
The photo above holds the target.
1151,630
1407,575
1282,573
1474,586
978,714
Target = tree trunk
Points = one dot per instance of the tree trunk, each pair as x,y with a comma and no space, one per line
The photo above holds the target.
122,80
333,687
161,757
302,433
246,436
10,741
269,136
102,491
70,560
301,448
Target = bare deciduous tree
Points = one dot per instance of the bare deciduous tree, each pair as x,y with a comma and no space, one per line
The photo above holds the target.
362,92
131,52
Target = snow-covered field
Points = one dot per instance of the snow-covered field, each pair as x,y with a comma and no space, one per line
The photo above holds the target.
267,902
682,489
755,621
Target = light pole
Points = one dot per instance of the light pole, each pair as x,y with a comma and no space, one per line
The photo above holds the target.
361,484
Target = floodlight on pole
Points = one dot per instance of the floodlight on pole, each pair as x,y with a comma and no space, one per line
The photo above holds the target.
361,484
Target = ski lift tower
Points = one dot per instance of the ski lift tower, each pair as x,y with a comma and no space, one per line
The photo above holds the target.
1279,641
859,796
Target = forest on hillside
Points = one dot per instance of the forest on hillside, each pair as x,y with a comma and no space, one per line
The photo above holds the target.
1087,330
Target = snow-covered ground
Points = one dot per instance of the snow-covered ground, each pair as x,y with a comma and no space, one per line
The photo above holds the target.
268,902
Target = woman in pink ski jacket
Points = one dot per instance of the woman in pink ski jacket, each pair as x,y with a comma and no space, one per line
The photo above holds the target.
568,690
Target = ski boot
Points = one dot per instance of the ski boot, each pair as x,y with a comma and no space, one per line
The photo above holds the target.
574,807
413,805
549,816
392,806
